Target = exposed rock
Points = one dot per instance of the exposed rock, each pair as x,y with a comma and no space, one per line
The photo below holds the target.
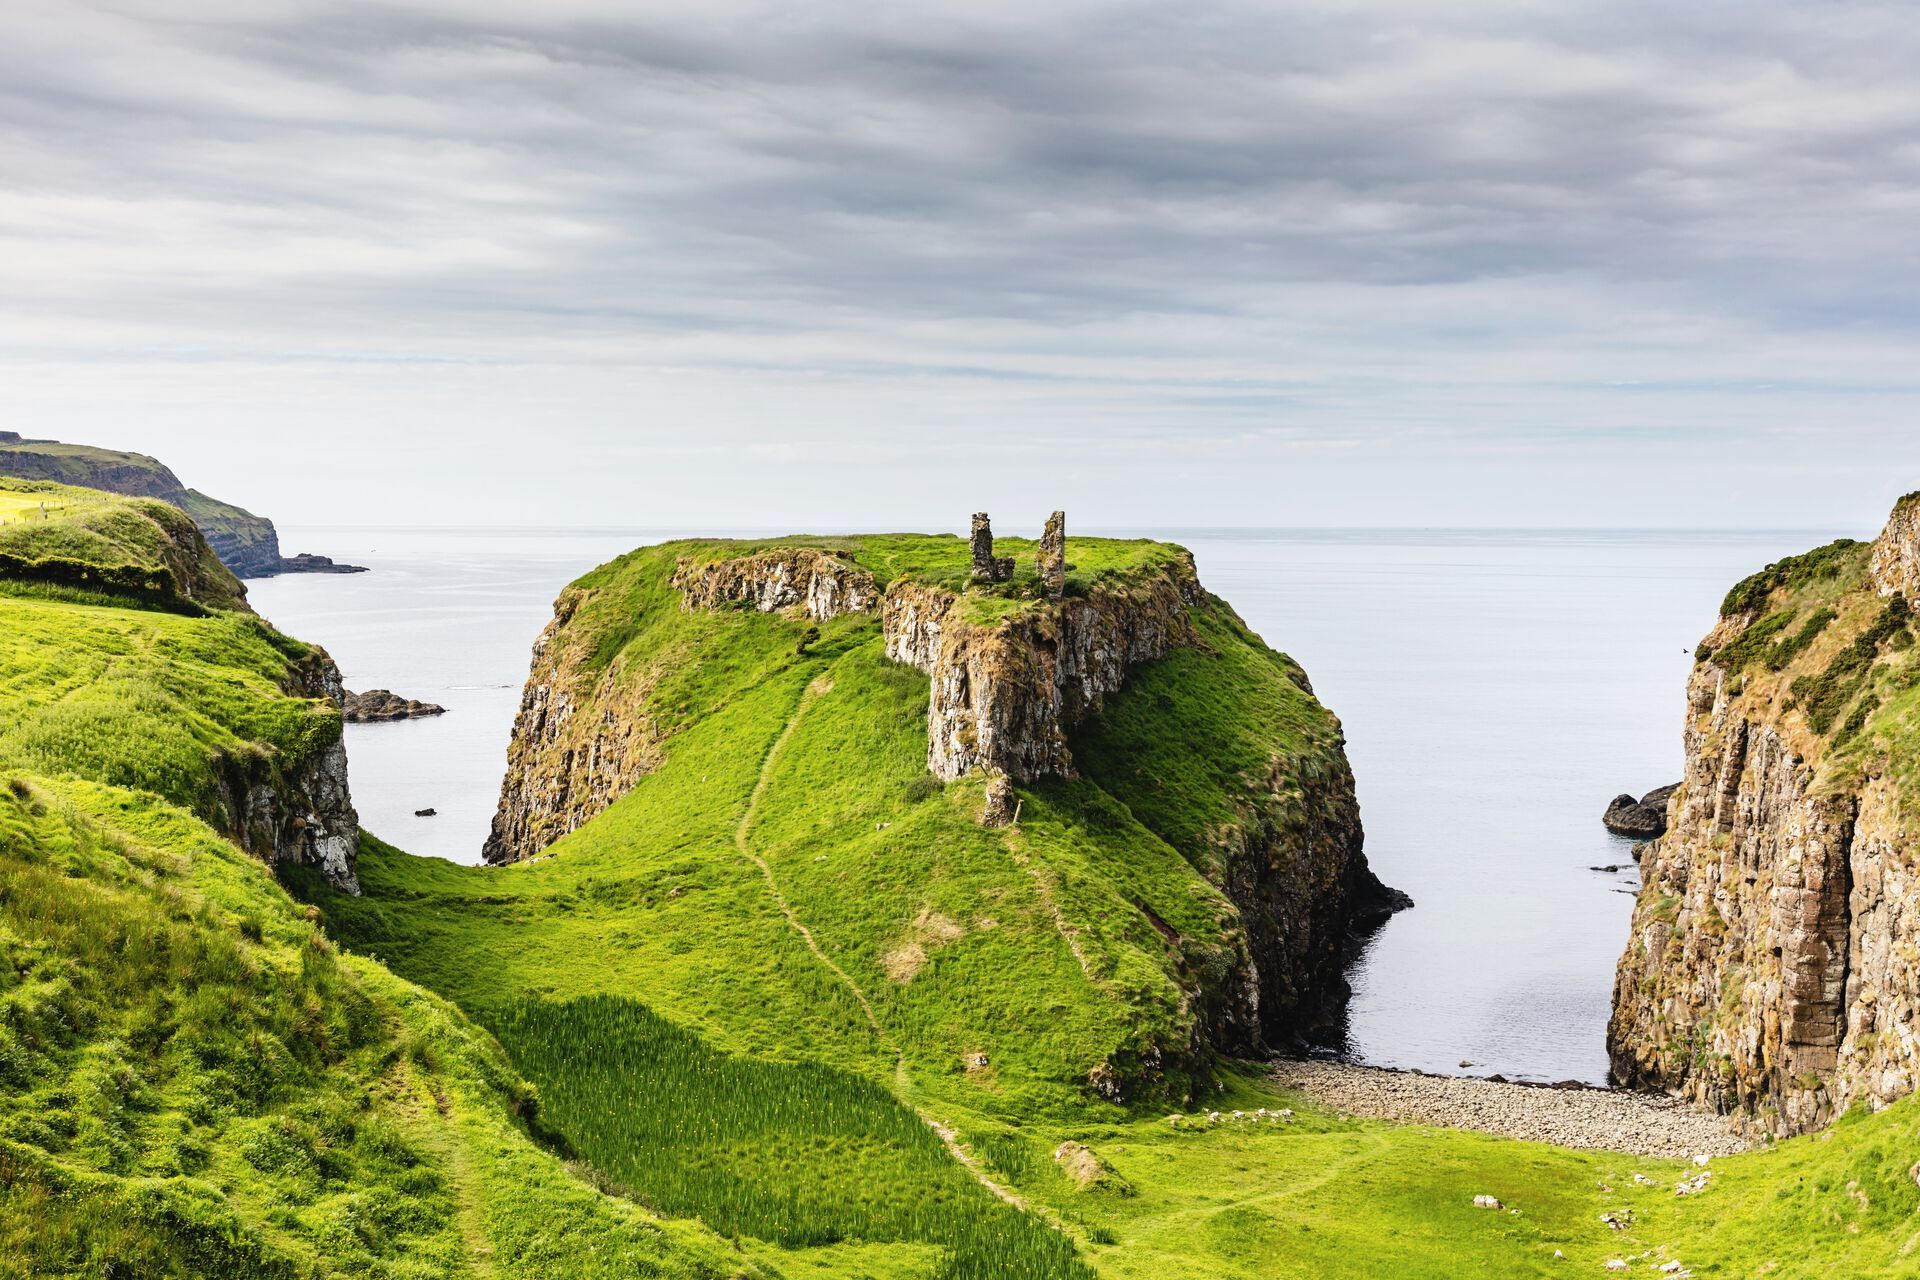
307,562
1643,819
377,705
564,767
1487,1202
1052,555
1772,969
425,813
988,567
298,810
821,585
1005,692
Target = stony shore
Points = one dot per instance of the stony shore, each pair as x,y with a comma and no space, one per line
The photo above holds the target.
1595,1119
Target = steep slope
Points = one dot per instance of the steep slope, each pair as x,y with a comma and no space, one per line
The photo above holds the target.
247,544
650,646
1772,967
128,656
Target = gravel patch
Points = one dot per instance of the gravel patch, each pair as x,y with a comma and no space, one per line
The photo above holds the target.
1646,1124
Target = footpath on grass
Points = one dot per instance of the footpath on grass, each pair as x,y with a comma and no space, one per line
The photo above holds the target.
1591,1119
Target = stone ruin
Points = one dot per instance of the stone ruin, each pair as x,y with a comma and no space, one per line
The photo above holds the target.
1051,559
988,567
1052,556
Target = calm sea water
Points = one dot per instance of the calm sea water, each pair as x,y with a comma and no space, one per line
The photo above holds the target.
1498,688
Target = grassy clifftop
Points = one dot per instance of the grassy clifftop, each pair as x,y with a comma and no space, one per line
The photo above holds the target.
86,539
246,543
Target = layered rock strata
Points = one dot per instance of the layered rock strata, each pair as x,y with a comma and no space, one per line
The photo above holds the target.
296,811
1774,965
818,584
1005,692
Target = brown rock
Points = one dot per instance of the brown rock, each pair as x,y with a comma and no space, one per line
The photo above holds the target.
1052,555
376,705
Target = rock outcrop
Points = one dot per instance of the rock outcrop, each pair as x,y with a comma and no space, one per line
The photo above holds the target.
300,810
987,567
1006,689
376,706
1772,969
582,738
1051,556
1643,819
819,584
307,562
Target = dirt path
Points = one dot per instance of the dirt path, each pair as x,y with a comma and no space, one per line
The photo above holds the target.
902,1081
1592,1119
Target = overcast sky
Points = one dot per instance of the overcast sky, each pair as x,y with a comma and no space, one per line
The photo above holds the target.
839,264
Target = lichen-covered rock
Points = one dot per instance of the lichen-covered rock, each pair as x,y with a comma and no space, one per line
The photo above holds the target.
300,810
821,585
1774,964
1051,555
1006,689
582,738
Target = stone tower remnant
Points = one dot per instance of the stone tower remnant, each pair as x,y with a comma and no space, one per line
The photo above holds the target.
988,567
1052,556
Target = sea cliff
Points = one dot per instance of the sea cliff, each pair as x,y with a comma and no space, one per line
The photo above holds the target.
1772,969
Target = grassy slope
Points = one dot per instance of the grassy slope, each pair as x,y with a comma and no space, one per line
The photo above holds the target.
1030,950
193,1081
85,539
136,473
198,1083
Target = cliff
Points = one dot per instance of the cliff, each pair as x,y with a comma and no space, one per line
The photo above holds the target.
128,656
246,543
1215,809
1772,968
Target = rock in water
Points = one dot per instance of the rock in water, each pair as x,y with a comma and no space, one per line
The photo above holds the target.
377,705
1643,819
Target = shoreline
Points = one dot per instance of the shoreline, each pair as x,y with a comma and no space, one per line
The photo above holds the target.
1569,1114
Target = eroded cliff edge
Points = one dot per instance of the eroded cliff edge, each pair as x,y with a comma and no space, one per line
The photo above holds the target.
1774,964
1024,677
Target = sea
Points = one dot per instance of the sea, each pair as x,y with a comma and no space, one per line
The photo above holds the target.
1497,687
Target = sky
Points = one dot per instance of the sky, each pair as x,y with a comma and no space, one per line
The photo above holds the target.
840,265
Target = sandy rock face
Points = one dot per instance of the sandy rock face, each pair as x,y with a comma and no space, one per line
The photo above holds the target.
300,811
580,742
821,585
1772,969
1006,692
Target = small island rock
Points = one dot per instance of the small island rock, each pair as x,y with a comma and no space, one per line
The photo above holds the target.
383,704
1643,819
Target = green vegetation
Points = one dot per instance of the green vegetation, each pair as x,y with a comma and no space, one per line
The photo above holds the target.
1845,559
137,548
798,1154
201,1076
243,541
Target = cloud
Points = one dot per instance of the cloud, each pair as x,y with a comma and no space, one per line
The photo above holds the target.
1504,226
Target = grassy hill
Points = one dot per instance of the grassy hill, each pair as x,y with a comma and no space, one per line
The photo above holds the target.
246,543
625,1059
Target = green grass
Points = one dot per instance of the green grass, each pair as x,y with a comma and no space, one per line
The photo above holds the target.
200,1076
798,1154
152,700
138,548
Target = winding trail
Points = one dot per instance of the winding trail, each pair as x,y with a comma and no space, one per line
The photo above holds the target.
902,1080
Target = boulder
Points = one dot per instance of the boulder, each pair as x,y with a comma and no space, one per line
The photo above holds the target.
376,705
1643,819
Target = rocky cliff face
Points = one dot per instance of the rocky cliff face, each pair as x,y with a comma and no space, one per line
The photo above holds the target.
580,742
818,584
1006,691
298,811
1774,966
